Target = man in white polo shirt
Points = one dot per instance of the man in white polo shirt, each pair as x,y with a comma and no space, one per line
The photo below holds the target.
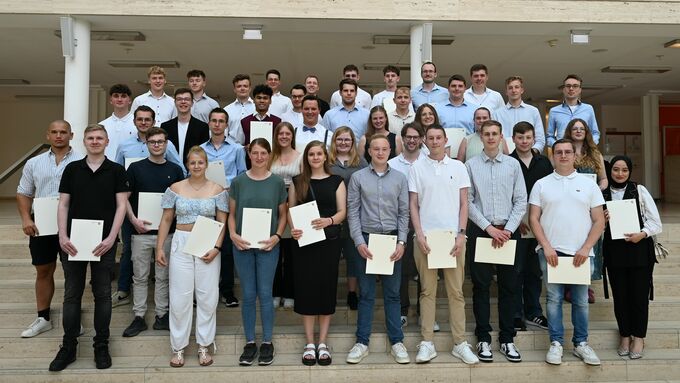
156,98
567,219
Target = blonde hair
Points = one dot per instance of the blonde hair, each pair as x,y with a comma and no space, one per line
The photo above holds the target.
94,128
197,150
354,159
276,148
155,70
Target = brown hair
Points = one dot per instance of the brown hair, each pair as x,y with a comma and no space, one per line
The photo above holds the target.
302,181
370,129
276,149
590,156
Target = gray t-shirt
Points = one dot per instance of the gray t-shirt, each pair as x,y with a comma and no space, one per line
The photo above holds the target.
268,193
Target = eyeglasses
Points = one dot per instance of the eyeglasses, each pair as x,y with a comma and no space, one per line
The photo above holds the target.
156,143
563,153
411,138
572,86
143,119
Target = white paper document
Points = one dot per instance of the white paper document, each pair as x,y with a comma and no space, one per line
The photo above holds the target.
441,243
302,217
203,236
255,226
86,234
455,136
565,272
149,209
45,215
130,160
623,217
215,173
381,247
486,253
529,234
262,129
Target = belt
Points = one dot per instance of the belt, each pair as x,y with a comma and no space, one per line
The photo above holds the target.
393,232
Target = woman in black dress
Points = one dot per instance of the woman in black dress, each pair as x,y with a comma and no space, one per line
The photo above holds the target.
315,272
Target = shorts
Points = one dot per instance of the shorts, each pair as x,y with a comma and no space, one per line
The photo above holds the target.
44,250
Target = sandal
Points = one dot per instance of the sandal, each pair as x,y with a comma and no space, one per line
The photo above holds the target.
324,355
309,355
204,357
177,359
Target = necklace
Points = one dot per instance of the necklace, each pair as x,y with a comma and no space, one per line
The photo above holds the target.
199,188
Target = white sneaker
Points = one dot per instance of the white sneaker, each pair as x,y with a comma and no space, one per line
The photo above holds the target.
435,327
463,351
39,325
554,355
584,352
426,352
277,302
404,321
120,298
358,352
400,354
288,303
511,352
484,352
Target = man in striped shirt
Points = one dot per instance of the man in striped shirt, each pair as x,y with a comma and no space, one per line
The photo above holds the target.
40,179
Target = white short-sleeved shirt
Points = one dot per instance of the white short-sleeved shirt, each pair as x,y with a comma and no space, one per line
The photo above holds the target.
438,185
565,203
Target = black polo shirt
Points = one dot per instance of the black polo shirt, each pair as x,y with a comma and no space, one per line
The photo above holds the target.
149,177
539,167
93,194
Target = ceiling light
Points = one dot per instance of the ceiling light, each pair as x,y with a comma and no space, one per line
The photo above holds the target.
635,69
580,36
406,39
252,32
112,35
143,63
672,44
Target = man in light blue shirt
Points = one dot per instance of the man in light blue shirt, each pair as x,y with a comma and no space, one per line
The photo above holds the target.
569,109
348,114
241,107
516,110
428,92
456,112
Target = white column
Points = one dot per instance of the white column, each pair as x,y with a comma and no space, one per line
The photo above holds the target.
77,81
651,144
421,50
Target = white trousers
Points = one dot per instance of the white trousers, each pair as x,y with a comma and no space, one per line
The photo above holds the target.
189,275
143,255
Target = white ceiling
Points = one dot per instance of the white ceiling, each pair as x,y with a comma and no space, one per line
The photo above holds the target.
297,47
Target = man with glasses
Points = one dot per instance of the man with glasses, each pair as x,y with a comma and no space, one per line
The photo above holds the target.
428,92
185,131
294,116
571,108
153,174
563,195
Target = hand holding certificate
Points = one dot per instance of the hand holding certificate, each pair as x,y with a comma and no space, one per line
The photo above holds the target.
86,235
149,209
623,218
566,273
45,213
203,236
486,253
256,226
381,247
302,216
441,244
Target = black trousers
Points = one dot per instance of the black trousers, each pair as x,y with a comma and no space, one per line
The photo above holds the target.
482,274
283,278
227,267
75,273
630,290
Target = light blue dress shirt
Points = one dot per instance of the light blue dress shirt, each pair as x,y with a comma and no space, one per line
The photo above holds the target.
232,154
133,147
355,118
509,115
419,96
461,116
560,116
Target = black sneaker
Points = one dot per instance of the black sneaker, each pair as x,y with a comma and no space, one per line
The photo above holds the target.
102,358
266,354
162,323
248,356
519,325
511,352
65,356
138,325
230,301
484,352
352,300
539,321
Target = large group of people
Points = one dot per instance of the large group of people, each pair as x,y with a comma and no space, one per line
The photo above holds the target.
392,165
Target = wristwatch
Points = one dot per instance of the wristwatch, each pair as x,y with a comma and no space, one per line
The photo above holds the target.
401,243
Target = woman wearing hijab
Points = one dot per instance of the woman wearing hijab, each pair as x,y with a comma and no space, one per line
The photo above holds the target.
629,262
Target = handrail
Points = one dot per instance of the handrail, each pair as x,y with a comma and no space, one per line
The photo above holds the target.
22,161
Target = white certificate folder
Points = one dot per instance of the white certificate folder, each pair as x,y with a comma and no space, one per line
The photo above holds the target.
149,209
215,173
302,216
86,234
203,236
567,274
441,242
486,253
381,247
45,214
623,218
261,129
255,226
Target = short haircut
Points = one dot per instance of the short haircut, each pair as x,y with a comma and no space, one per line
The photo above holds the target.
196,73
378,137
415,126
183,91
457,77
564,141
155,70
523,127
483,108
144,108
437,127
273,71
120,88
62,122
428,63
262,89
573,76
348,81
350,68
391,68
219,111
154,130
491,123
312,76
240,77
299,87
94,128
514,78
402,89
478,67
311,97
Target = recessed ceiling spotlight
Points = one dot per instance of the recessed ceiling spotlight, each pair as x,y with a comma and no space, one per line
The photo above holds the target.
580,36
